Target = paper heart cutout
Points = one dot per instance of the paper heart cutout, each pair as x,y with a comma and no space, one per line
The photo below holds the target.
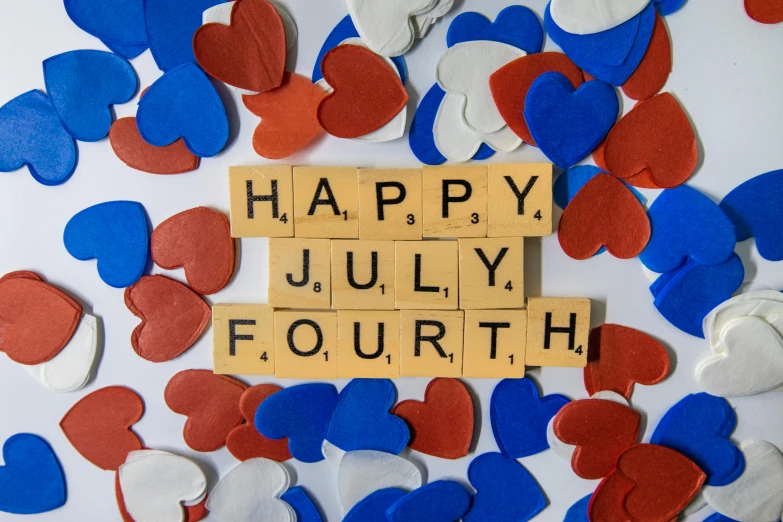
252,491
364,471
172,317
244,442
439,501
667,7
619,356
301,413
136,153
505,490
116,234
765,11
641,180
751,208
572,180
31,479
37,320
303,506
367,93
198,240
211,404
192,513
699,427
515,25
386,27
361,418
568,124
601,430
765,304
83,85
373,507
578,511
289,116
582,18
651,483
519,417
183,103
650,76
604,213
250,53
441,425
119,21
33,136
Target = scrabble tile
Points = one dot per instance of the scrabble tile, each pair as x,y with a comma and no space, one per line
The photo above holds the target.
368,344
362,274
426,275
326,202
300,273
262,201
390,204
557,331
495,344
455,201
431,343
491,273
242,339
305,344
521,197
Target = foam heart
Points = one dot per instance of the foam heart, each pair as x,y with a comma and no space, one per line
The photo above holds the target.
750,207
651,483
755,495
183,103
765,304
601,430
33,136
650,76
424,21
131,148
442,425
685,297
252,491
172,317
578,511
361,418
717,517
83,85
667,7
37,320
250,53
687,224
604,213
386,26
515,25
221,14
300,413
578,17
126,51
362,472
116,234
519,417
31,479
118,21
505,490
620,356
439,501
211,404
765,11
303,506
289,116
156,483
699,427
568,124
198,240
192,513
244,442
367,93
465,68
571,181
98,426
373,507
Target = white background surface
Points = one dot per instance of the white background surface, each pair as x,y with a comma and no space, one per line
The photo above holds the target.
727,74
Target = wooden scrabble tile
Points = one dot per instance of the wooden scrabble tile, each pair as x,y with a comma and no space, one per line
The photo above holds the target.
557,331
426,275
431,343
495,344
390,204
326,202
362,274
262,201
455,201
521,197
368,344
243,339
300,273
305,344
491,273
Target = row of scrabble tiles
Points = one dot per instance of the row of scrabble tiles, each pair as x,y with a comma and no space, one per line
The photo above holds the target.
391,204
310,344
469,273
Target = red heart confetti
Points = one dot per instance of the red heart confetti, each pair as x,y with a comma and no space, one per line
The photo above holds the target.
650,76
172,317
198,240
191,514
765,11
136,153
245,442
641,180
